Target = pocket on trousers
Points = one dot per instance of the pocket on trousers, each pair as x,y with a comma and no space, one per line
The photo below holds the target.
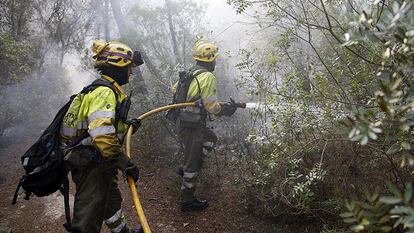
80,158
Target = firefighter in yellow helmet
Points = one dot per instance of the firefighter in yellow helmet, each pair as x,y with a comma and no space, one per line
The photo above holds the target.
197,138
92,131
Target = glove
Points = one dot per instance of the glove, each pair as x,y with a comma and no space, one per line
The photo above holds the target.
119,161
135,123
227,109
132,170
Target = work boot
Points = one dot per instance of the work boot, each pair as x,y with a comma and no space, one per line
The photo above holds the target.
194,205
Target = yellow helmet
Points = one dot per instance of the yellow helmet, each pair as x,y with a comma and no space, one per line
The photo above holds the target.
114,53
205,51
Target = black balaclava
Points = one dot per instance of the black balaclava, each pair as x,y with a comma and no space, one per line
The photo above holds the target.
208,65
119,74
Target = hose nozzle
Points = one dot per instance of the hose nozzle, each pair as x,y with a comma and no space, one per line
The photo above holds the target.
237,104
241,105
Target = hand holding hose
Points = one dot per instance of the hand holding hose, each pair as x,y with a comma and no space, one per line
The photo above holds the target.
132,170
134,123
227,109
237,104
230,108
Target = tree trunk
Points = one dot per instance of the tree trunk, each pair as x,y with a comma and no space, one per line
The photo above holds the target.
106,19
138,80
172,32
127,32
22,18
12,13
119,18
348,6
184,48
61,57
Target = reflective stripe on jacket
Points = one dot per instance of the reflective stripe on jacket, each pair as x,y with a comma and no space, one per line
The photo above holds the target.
95,113
208,87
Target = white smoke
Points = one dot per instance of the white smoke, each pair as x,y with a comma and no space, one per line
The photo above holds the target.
29,106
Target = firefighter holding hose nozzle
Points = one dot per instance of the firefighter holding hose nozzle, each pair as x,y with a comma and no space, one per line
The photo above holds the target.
198,84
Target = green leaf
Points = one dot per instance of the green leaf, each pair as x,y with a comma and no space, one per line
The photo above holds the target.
377,130
409,33
396,84
364,140
372,135
408,193
367,206
374,195
348,205
408,221
390,200
386,228
400,210
398,222
406,145
357,228
393,149
395,7
393,189
384,219
357,137
365,222
352,133
350,220
346,215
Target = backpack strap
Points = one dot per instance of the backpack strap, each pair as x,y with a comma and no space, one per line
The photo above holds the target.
203,111
16,193
99,83
65,192
199,71
196,71
95,84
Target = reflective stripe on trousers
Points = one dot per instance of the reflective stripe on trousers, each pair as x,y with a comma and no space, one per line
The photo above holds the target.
117,222
189,180
208,147
196,140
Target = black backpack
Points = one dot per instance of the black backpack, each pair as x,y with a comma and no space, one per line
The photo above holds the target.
43,161
180,95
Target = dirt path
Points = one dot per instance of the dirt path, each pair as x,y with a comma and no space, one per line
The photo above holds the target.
159,192
38,215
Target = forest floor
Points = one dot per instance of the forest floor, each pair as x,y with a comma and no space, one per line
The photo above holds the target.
158,189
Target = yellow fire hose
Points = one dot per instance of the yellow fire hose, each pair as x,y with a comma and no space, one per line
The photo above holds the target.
134,192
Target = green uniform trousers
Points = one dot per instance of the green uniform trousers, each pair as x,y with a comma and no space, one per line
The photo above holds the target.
97,197
198,142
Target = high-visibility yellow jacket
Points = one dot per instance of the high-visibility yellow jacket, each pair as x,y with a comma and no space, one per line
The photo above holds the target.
95,112
203,87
